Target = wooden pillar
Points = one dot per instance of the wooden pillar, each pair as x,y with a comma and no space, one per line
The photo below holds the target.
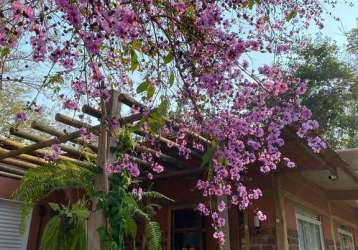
234,228
247,230
331,226
226,229
97,218
280,214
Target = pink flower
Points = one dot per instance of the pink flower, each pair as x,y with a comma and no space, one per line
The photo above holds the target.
20,117
261,216
69,104
221,206
157,168
54,154
180,7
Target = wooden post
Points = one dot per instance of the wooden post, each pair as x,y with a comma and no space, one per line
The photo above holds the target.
247,230
280,214
226,229
97,218
331,225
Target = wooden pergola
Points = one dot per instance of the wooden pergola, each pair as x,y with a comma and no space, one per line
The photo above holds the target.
16,157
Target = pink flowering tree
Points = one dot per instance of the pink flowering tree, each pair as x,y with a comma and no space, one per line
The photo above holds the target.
186,56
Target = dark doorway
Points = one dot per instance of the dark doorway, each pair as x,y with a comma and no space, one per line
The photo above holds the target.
188,230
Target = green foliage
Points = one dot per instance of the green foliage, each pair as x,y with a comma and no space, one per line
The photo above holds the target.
153,235
66,230
11,103
39,182
123,210
146,86
124,143
330,94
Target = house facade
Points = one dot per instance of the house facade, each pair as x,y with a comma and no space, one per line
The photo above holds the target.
306,209
312,207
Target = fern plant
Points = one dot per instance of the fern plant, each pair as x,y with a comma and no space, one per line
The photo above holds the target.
39,182
66,230
123,210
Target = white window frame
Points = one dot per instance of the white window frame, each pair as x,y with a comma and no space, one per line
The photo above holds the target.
25,237
346,233
303,215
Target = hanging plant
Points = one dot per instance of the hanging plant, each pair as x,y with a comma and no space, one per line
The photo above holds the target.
67,229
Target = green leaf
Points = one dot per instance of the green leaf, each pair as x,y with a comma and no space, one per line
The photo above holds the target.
57,78
54,206
171,78
134,61
209,155
146,86
168,58
143,86
291,15
137,45
4,51
163,107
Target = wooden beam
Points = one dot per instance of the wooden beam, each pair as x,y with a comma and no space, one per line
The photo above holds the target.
342,195
19,163
53,131
349,171
130,101
161,156
290,133
87,109
164,157
44,144
19,147
79,124
36,138
26,158
11,169
10,175
280,214
177,174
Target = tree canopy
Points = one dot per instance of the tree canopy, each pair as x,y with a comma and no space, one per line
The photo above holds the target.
330,95
188,54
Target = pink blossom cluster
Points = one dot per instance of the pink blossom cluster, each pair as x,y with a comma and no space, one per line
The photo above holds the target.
54,154
126,165
20,117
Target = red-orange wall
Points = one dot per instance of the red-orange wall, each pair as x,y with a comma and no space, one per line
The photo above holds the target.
306,195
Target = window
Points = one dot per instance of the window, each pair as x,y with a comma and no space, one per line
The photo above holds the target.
10,216
188,230
309,229
345,239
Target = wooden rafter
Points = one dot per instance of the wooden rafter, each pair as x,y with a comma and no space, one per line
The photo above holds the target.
27,158
159,155
38,152
55,132
36,138
12,169
341,195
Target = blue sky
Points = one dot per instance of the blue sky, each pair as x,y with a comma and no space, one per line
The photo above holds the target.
333,29
348,16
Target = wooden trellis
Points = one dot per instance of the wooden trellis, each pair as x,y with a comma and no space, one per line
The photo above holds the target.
15,156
